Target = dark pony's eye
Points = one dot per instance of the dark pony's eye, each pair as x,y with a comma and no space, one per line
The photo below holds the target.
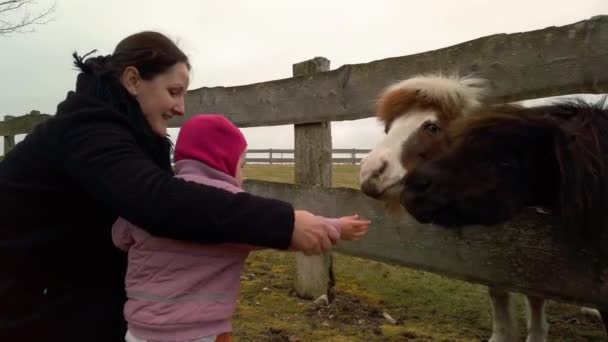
508,164
431,127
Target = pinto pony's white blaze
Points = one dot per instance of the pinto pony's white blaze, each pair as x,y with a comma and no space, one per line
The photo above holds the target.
382,167
413,112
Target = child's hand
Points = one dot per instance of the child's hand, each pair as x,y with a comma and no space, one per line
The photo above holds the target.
352,227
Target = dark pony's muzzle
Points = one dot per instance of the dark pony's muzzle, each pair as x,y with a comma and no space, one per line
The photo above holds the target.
422,194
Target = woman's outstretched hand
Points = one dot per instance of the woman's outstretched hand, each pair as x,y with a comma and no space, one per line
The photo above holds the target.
312,234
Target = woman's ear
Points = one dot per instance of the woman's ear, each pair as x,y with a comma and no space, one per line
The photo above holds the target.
131,80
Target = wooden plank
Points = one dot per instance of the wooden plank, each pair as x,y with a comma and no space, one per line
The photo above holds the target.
292,160
335,150
522,256
547,62
312,166
274,150
350,150
267,160
313,157
346,160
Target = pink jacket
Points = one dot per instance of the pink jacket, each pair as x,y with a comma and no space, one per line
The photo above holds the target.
179,290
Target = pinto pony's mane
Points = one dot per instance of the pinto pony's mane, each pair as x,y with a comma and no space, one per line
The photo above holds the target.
449,96
577,134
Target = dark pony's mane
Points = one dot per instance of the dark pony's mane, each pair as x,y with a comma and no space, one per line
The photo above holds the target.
575,133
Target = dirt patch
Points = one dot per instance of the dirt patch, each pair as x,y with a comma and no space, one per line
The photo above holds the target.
279,335
347,310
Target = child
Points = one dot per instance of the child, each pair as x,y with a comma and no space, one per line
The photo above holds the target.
180,291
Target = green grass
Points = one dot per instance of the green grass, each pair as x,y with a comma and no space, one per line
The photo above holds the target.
346,176
427,307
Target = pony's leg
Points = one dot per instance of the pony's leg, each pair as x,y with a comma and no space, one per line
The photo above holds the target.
604,315
504,326
538,328
601,315
591,312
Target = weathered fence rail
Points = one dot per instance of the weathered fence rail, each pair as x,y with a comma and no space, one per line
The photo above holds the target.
273,159
552,61
280,160
276,156
523,255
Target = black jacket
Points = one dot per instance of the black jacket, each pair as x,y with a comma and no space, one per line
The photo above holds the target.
61,278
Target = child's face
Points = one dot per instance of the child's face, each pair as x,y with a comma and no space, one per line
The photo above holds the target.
239,168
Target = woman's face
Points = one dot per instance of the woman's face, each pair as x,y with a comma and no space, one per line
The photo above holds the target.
160,98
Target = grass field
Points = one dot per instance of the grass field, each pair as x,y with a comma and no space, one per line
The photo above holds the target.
427,307
346,176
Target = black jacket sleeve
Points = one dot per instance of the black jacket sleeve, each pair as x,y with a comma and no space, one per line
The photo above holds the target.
101,155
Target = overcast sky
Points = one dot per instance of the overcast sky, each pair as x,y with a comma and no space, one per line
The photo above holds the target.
240,42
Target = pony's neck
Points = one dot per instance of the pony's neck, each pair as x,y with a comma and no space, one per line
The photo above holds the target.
571,173
545,189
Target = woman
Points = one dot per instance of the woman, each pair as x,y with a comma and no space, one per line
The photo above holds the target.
105,154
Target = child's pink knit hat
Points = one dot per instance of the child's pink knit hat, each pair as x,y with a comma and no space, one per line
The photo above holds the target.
213,140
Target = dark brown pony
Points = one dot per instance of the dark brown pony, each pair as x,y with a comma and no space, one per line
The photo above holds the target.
504,158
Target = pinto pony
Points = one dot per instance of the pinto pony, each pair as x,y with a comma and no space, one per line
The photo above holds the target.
503,158
417,114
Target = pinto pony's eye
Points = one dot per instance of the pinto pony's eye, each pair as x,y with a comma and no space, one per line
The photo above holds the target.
431,127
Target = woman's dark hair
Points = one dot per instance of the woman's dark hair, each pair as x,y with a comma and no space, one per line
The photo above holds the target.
151,53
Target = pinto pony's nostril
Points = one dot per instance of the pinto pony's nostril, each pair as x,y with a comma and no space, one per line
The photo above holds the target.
370,189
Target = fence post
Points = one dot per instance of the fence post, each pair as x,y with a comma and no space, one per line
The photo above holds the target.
354,156
312,166
270,157
9,140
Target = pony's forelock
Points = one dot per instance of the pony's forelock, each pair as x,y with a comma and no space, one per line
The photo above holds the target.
450,95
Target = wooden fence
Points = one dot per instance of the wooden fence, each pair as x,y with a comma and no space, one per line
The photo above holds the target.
277,156
522,255
272,158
